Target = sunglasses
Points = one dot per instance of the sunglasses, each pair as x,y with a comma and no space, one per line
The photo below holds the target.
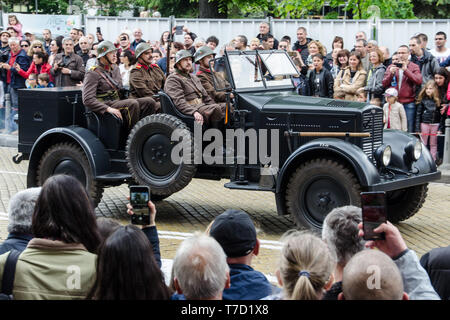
37,47
24,46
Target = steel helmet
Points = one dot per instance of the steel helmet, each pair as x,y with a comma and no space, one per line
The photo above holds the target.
104,48
180,55
203,52
141,48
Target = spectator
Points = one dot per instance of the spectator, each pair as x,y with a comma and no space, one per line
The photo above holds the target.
338,43
340,233
127,61
255,45
440,52
44,81
55,48
372,45
442,79
374,87
320,79
36,46
445,63
428,116
174,48
334,63
360,35
240,42
189,43
236,233
394,116
124,45
156,56
127,269
268,42
99,36
301,45
106,227
306,268
74,35
59,262
13,79
212,42
361,95
25,45
428,64
416,282
91,39
288,40
404,80
314,47
4,55
29,35
437,264
137,33
361,48
387,58
20,212
200,269
423,41
342,59
85,49
350,79
163,42
264,30
39,65
14,22
67,67
47,34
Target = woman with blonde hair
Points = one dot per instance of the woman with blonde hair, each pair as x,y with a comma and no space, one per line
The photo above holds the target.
35,47
305,269
314,47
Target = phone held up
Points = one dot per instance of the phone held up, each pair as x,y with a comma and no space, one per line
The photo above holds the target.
139,198
398,65
373,205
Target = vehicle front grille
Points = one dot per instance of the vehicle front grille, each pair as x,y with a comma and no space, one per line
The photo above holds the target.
372,122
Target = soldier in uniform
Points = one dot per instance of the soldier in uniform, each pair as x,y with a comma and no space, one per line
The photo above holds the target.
146,78
102,88
188,94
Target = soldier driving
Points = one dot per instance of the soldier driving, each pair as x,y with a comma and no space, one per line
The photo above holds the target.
188,94
102,87
146,79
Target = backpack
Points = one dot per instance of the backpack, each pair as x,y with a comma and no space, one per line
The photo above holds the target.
9,272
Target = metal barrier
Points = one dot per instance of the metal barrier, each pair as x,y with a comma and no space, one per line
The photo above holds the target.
446,161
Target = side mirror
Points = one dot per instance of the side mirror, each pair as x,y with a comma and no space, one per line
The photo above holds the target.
220,75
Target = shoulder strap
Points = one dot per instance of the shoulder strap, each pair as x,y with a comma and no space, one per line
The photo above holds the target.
114,87
9,272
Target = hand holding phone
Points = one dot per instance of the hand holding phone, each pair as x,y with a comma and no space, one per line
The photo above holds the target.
373,205
140,205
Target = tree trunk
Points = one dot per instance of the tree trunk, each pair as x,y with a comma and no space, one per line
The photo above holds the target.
210,9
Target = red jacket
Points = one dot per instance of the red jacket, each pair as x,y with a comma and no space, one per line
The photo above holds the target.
412,77
45,68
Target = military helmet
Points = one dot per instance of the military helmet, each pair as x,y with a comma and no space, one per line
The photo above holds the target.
180,55
104,48
141,48
203,52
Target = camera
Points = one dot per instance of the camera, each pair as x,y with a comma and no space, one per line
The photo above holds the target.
399,65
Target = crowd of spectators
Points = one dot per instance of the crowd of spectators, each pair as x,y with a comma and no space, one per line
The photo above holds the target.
63,252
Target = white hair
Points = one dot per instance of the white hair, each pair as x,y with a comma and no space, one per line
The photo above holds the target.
200,267
13,39
66,39
20,210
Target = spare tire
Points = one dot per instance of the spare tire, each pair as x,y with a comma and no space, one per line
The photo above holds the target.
149,150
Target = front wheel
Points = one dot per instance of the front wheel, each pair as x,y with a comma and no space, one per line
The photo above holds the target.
317,187
404,203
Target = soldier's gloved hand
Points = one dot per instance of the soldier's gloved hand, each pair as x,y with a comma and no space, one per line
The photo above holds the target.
114,112
198,117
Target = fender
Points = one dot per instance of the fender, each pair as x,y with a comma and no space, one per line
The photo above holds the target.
366,173
93,148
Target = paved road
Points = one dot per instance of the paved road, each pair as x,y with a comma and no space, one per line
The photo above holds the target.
193,208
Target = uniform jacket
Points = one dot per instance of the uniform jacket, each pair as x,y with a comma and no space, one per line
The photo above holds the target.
411,79
427,112
52,270
18,82
45,68
396,117
437,264
94,84
75,63
344,82
186,87
206,78
146,81
374,85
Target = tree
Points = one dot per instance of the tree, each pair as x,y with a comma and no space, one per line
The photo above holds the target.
432,9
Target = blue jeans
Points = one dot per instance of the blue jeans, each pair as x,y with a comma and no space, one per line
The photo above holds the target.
410,110
14,109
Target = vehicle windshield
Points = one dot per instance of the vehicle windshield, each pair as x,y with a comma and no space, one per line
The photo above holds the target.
263,70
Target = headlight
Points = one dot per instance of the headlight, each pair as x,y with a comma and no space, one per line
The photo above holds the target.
383,155
414,150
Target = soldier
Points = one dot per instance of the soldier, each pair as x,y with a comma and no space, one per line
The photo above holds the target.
146,79
103,84
188,94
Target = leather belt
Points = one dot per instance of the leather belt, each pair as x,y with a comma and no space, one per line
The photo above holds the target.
195,101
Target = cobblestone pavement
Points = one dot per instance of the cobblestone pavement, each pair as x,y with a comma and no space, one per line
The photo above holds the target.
193,208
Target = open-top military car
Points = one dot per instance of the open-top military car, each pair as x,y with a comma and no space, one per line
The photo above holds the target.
315,154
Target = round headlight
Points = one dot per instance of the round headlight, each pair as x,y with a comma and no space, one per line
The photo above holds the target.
387,153
383,155
417,150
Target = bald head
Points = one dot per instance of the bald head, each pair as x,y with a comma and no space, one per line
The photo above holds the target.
372,275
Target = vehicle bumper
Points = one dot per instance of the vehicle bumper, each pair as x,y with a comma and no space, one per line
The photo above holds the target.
404,181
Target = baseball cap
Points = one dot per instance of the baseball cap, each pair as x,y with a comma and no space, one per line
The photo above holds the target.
235,232
4,31
391,92
28,32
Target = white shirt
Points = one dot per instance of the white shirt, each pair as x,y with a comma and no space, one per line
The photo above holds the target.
440,56
125,76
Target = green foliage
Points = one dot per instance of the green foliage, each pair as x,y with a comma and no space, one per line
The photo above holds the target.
432,9
389,9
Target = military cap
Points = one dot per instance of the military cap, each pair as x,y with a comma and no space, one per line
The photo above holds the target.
104,48
141,48
203,52
180,55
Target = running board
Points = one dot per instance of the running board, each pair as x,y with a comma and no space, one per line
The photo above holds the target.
252,186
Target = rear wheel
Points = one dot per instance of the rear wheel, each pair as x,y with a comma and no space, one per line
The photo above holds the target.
317,187
404,203
68,158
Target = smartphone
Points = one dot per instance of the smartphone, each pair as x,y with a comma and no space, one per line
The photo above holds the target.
98,30
373,205
399,65
139,198
179,30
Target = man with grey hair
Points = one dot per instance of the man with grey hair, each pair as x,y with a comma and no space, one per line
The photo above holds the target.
340,233
20,212
85,49
137,33
68,68
264,30
200,269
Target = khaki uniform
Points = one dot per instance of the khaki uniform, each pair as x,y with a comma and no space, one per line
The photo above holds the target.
206,78
189,97
146,81
100,91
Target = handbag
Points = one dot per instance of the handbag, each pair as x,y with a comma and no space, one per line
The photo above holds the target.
9,273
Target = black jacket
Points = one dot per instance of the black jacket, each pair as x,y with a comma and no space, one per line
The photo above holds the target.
427,112
437,265
302,48
321,84
428,65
